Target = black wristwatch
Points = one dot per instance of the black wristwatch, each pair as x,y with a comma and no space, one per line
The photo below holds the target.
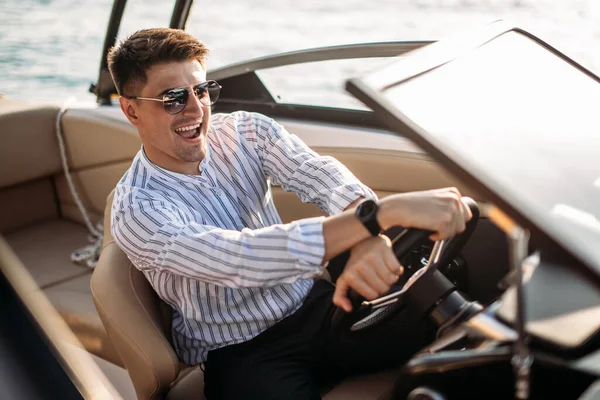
366,212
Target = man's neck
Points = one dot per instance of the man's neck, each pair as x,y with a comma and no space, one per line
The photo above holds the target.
171,164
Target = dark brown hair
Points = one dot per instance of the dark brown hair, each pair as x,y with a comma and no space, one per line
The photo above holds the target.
129,61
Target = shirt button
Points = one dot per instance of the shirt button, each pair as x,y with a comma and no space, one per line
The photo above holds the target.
267,292
218,193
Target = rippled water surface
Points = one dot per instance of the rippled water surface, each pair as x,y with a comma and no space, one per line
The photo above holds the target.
50,49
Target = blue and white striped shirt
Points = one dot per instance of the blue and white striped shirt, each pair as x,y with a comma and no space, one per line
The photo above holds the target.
213,246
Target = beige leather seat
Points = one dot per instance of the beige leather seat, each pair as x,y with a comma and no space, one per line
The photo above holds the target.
138,324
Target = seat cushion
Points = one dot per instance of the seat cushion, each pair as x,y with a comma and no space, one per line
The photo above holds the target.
189,385
73,300
45,250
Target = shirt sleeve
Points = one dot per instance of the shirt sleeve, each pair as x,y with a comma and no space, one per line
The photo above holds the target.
155,234
317,179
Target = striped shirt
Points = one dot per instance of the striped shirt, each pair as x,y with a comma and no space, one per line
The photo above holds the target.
213,245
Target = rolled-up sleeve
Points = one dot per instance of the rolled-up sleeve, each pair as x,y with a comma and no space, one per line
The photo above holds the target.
317,179
156,235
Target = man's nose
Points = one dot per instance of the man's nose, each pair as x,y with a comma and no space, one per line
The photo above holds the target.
194,106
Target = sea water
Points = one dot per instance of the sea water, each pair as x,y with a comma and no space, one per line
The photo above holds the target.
51,49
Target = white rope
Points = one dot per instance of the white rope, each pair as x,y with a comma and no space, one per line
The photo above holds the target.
89,254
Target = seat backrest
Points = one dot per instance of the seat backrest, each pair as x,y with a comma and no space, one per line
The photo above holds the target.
137,321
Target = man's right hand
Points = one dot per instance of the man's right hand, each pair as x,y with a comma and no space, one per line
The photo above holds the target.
441,211
371,270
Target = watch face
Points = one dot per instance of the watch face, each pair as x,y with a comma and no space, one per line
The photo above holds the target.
366,208
366,213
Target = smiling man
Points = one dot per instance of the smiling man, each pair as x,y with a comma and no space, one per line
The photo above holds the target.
194,213
186,146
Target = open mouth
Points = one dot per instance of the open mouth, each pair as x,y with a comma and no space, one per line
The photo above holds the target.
189,132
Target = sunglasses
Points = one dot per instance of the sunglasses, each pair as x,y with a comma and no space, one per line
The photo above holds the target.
175,100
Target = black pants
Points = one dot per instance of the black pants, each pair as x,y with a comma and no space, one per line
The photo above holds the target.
293,358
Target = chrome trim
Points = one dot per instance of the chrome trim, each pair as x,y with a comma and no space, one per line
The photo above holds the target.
436,252
385,304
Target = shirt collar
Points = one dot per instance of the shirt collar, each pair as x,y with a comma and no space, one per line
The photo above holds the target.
204,163
176,176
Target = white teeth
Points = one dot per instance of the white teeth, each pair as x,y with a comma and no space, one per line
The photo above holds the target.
187,128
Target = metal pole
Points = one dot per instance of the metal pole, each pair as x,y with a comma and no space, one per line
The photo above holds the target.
522,359
518,240
181,13
105,86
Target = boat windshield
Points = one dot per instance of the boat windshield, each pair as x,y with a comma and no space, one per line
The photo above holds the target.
318,83
523,123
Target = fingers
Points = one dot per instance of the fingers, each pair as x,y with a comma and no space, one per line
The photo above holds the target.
369,289
458,221
390,260
381,268
365,277
453,215
466,210
377,277
340,296
352,280
371,274
356,282
394,267
450,219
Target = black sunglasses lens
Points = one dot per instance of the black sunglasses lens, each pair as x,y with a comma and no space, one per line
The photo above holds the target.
208,92
214,90
175,100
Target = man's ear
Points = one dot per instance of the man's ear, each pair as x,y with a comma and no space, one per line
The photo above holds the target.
130,110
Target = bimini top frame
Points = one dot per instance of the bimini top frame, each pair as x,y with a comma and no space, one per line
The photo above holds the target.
241,85
105,87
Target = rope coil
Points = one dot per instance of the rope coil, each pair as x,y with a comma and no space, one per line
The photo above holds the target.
87,255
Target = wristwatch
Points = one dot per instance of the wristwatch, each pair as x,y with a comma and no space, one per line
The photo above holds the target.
366,212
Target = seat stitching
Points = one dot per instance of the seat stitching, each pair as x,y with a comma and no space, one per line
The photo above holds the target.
104,245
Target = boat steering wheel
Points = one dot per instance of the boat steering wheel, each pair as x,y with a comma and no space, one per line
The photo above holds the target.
366,314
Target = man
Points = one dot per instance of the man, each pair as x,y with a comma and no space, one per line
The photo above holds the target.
194,213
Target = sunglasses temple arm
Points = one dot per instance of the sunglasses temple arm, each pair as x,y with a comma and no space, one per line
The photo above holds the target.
146,98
